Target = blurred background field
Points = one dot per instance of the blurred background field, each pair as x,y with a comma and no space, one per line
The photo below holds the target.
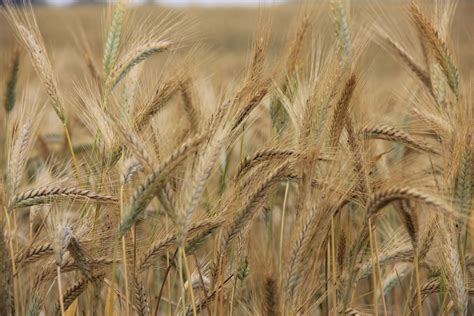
220,35
217,44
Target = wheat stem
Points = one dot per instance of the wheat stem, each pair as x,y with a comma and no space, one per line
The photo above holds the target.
71,151
374,278
124,255
188,276
60,289
282,226
418,286
333,268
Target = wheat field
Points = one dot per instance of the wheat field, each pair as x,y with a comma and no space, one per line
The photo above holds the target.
304,159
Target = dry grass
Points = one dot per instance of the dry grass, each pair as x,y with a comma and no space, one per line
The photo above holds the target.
162,167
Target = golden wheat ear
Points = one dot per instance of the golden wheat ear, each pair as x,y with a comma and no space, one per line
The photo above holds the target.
113,42
24,23
439,47
22,134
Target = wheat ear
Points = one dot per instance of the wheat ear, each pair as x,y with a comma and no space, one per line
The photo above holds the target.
148,188
341,111
389,133
47,194
34,254
133,58
73,292
438,45
112,42
142,302
10,93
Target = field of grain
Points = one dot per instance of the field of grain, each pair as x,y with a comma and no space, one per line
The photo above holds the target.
307,159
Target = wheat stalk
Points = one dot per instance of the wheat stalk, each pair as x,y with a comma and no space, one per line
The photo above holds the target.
6,273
